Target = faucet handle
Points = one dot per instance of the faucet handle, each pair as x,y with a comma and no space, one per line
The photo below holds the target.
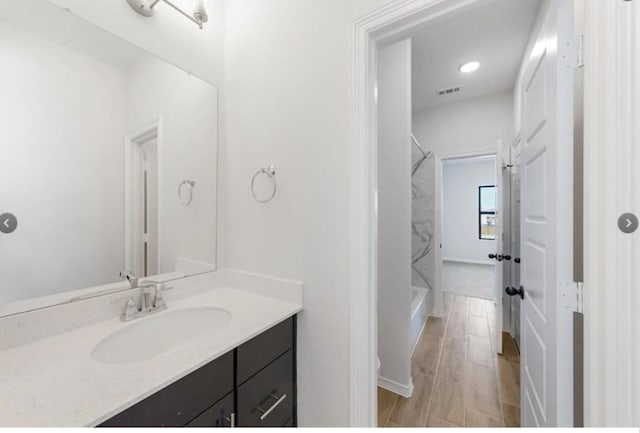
130,310
158,300
130,277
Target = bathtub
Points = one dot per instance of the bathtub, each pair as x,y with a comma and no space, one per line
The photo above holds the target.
420,309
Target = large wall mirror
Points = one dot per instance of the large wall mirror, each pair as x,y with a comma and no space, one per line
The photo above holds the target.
108,160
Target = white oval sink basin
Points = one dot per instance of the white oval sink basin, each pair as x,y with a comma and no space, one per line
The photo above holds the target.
155,335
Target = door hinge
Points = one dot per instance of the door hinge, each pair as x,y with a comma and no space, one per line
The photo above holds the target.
580,51
579,297
572,296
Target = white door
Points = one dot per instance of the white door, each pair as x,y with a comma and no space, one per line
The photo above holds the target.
500,229
503,239
546,226
142,198
149,214
514,234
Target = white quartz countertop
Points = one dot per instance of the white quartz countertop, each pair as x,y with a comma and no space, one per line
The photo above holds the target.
55,382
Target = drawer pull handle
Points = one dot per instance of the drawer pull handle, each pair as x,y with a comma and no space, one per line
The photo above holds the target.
231,420
266,413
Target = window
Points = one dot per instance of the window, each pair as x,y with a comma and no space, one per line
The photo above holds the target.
487,212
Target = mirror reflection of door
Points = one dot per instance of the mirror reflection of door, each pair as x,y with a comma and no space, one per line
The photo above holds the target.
142,179
148,214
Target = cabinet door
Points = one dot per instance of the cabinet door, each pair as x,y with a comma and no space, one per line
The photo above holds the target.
258,352
182,401
268,398
221,414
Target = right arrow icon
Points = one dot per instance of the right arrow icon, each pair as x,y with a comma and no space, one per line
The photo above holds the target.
628,223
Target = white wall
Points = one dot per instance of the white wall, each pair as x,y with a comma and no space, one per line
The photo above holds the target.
460,181
287,91
51,156
189,111
394,213
168,34
470,126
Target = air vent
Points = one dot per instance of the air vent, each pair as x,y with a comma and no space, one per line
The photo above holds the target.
449,91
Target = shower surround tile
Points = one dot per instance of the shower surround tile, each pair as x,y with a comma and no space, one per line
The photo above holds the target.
423,219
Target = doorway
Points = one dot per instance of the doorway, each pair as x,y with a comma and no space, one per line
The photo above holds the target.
142,183
540,68
469,230
147,240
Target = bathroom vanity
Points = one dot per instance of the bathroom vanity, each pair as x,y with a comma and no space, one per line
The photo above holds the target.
223,353
125,146
252,386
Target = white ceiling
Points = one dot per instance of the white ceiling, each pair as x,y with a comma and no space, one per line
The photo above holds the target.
493,32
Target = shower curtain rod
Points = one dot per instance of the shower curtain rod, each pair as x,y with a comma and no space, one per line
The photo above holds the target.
415,141
425,156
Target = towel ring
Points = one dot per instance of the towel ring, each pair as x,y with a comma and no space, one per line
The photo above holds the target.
271,173
191,184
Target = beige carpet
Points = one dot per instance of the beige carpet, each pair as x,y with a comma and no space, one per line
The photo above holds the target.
469,279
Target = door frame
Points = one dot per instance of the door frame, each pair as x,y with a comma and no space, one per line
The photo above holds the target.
151,131
603,65
376,29
611,290
439,209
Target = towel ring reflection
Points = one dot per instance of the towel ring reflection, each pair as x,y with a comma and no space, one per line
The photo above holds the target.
191,184
271,173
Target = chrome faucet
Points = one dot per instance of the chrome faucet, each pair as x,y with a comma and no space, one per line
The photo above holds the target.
130,277
145,304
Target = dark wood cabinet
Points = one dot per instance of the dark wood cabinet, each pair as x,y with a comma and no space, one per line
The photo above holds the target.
221,414
258,352
266,400
183,400
253,385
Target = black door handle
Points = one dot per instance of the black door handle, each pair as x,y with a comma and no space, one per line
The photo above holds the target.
506,257
493,256
512,291
517,260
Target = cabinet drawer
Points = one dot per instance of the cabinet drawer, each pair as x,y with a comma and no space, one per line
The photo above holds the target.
256,353
218,415
182,401
268,398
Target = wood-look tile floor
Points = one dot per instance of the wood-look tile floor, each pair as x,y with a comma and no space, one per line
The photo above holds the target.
459,380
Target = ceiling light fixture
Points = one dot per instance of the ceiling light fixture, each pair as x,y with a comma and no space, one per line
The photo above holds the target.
469,67
146,8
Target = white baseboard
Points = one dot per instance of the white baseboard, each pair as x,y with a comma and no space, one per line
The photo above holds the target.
471,262
395,387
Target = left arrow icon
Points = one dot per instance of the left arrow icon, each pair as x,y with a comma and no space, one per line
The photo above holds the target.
9,223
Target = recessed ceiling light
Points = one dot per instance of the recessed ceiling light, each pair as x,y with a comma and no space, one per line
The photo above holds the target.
469,67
